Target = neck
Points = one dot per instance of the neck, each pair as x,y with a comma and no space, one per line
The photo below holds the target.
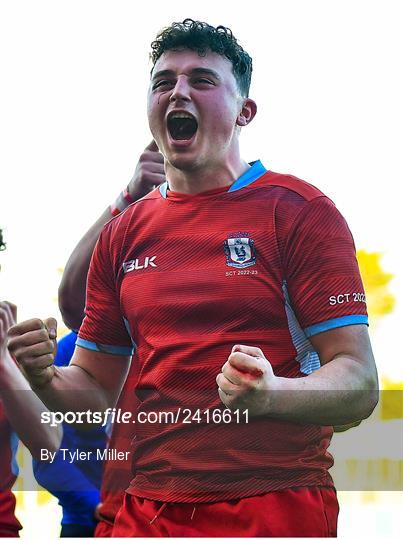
205,178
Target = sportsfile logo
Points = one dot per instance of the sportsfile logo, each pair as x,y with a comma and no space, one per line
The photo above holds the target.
136,264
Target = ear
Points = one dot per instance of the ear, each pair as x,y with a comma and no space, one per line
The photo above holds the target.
247,113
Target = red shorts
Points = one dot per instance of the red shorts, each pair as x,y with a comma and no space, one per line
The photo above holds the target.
294,513
103,530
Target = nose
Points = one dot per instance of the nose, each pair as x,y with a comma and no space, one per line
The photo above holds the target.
181,90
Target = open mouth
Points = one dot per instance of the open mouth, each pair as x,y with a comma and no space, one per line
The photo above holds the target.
182,126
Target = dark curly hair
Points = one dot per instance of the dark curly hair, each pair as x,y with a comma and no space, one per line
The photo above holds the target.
201,37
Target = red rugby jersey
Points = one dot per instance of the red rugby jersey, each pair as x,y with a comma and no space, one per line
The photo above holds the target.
267,262
117,474
9,525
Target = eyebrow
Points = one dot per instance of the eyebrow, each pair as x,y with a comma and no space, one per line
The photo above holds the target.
195,71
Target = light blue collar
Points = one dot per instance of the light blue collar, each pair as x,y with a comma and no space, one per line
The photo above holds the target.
256,171
164,189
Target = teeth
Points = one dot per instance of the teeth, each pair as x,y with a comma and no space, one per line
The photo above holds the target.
181,115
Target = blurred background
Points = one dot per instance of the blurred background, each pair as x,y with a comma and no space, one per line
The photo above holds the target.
327,84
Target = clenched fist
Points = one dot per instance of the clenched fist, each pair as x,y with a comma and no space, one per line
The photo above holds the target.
33,345
149,172
247,381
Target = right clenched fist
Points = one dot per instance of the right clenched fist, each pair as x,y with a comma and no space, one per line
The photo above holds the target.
32,344
149,172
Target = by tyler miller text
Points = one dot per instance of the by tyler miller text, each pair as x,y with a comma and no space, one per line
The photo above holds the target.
72,456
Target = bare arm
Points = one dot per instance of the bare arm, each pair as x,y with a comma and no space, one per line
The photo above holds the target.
73,284
148,174
92,381
22,406
344,390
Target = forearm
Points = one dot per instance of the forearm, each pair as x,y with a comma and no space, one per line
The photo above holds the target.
23,409
73,389
340,392
73,284
90,384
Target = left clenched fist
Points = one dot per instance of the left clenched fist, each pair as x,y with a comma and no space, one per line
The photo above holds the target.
247,381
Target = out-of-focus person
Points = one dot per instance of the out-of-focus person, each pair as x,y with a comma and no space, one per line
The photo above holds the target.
20,418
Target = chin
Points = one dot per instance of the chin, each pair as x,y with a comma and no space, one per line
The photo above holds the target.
182,162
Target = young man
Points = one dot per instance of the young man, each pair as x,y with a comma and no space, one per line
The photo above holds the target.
240,288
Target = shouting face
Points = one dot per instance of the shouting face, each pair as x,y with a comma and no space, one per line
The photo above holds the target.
194,108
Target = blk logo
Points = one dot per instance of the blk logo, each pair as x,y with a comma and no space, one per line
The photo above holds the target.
136,264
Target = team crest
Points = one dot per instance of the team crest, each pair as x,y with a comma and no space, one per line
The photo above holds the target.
240,250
